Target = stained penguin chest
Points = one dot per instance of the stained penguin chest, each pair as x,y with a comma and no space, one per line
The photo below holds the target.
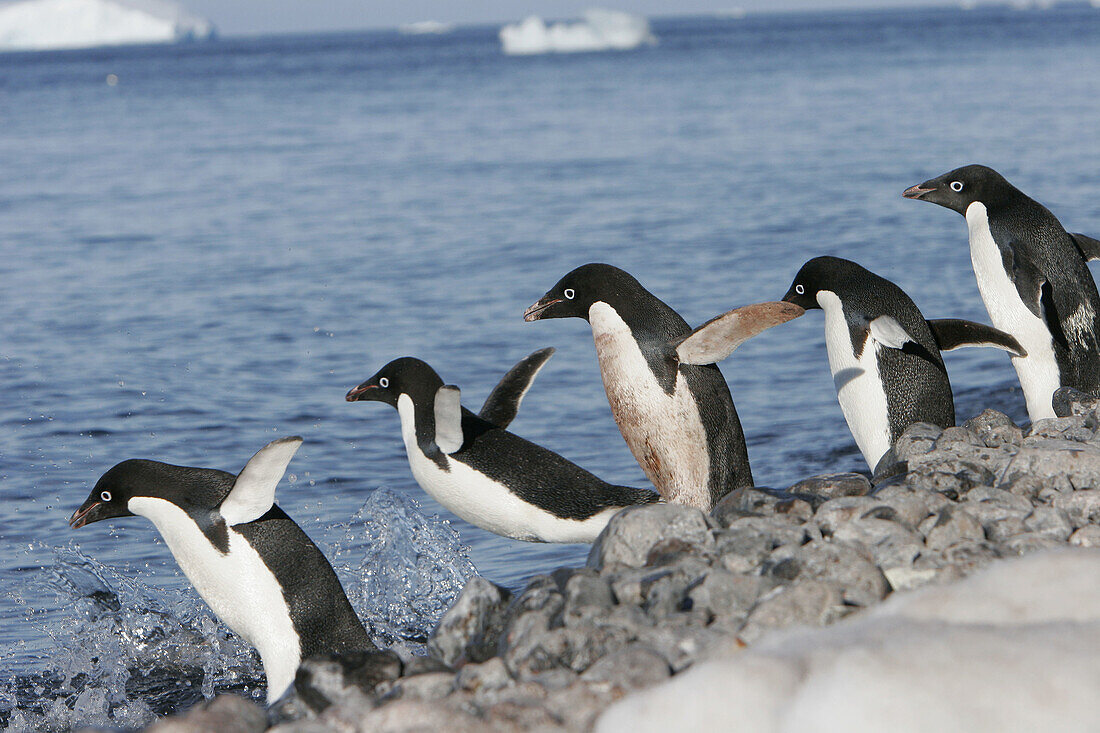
664,431
1038,372
859,386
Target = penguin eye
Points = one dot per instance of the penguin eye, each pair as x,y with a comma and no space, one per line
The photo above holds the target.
105,495
383,382
569,293
956,186
800,289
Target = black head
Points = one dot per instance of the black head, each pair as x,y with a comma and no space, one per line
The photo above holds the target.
575,293
833,274
961,187
182,485
406,375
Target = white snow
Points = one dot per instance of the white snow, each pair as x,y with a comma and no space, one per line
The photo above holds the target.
1013,648
601,30
55,24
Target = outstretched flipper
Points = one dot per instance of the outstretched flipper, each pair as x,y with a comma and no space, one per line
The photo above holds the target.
717,338
1089,247
953,333
448,419
501,406
254,491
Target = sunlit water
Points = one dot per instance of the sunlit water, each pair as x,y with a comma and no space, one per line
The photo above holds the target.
210,253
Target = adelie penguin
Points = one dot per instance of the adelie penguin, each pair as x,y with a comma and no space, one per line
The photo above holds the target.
884,356
255,568
670,401
1033,277
483,473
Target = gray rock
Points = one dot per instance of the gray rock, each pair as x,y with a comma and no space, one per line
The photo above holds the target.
1044,460
530,646
631,585
225,714
995,429
777,530
1081,507
1069,401
1028,542
951,526
835,513
918,438
955,437
1050,522
747,502
742,550
586,595
684,645
1058,428
630,668
1087,536
490,675
429,686
349,678
726,594
633,532
890,543
832,485
470,630
910,507
850,567
958,467
806,603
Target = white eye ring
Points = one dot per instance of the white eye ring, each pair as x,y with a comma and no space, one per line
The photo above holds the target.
569,293
800,289
956,186
105,495
383,382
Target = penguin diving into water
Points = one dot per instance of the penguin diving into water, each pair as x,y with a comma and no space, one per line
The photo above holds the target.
670,401
255,568
884,356
485,474
1034,280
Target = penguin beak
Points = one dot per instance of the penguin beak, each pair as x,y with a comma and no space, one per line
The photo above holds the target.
918,191
356,394
535,312
80,516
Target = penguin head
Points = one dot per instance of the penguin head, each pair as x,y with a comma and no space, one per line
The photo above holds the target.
196,487
406,375
575,293
821,274
959,188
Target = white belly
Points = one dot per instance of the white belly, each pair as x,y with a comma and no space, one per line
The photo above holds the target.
1038,371
486,503
237,586
665,432
858,383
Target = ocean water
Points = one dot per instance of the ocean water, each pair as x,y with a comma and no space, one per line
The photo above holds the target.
207,255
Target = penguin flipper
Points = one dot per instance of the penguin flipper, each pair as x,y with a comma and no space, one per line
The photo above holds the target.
448,419
717,338
954,333
253,492
1089,247
891,334
502,404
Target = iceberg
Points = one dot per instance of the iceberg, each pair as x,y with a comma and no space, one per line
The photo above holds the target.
601,30
36,25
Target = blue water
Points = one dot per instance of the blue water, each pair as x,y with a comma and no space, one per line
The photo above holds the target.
209,254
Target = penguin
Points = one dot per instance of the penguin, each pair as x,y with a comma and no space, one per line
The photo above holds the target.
485,474
670,401
1033,277
255,568
883,354
502,404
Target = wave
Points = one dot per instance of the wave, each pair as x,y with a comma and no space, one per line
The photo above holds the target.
601,30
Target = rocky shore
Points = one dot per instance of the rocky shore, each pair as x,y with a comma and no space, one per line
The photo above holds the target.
667,586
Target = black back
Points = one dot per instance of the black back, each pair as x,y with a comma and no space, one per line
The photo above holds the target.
913,377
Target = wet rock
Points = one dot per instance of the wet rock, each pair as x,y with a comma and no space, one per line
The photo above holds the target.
630,668
1081,507
951,526
995,429
917,439
224,714
805,603
1069,401
334,679
633,532
832,485
470,630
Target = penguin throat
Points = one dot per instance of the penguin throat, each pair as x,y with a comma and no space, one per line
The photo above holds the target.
418,430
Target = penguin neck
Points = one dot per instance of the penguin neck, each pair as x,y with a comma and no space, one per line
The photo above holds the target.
612,333
418,427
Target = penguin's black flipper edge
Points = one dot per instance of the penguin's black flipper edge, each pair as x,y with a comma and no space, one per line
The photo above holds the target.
954,333
502,404
719,337
1089,247
448,419
253,492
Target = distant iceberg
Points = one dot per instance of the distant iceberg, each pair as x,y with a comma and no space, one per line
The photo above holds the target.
33,25
425,27
601,30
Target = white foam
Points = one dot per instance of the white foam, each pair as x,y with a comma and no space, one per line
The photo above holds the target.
55,24
601,30
1012,648
425,27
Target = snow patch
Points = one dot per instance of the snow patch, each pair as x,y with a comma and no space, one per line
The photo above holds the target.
34,25
601,30
1011,648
